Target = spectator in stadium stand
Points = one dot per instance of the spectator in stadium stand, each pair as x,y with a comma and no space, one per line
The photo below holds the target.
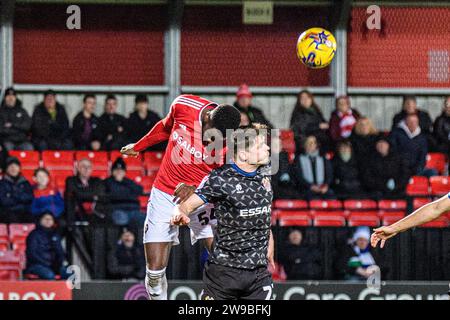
312,172
282,182
355,261
363,139
16,195
123,195
46,197
15,123
343,119
85,196
44,253
411,143
442,128
300,261
111,126
84,126
425,122
126,259
385,174
50,126
307,119
244,104
141,121
347,178
245,120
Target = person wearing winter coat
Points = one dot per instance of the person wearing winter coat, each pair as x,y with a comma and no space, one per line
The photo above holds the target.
442,128
111,126
44,253
50,125
46,197
409,141
15,123
16,195
342,119
84,126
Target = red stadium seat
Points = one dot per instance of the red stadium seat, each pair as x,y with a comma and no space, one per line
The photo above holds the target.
419,202
440,185
29,160
287,140
99,159
278,274
131,162
62,174
436,161
58,160
363,218
60,183
390,217
392,204
18,234
10,265
441,222
289,218
325,204
4,239
152,160
146,182
290,204
328,220
28,174
418,186
360,204
143,201
102,174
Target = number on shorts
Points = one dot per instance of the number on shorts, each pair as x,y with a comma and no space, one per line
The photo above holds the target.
269,291
204,220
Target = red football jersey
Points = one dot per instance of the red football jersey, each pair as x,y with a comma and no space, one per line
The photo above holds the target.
185,159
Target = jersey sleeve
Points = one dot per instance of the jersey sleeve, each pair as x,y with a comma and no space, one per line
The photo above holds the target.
159,133
211,189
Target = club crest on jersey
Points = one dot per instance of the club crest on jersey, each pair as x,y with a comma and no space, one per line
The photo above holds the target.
266,184
239,189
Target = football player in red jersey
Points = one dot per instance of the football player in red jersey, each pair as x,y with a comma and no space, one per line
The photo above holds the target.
188,159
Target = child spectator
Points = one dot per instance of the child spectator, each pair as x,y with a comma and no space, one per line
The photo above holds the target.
46,198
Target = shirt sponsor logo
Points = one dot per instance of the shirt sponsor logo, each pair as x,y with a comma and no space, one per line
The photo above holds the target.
254,211
187,146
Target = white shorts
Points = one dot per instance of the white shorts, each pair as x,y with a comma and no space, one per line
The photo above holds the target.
159,211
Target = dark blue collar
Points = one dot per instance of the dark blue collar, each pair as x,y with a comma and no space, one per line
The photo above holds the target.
244,173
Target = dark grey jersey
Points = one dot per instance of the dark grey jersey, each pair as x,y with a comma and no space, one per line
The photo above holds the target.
242,207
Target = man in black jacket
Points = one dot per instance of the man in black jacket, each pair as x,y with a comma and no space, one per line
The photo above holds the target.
124,195
85,196
50,126
442,128
16,195
300,262
15,123
141,121
111,126
410,107
84,125
244,104
385,173
126,259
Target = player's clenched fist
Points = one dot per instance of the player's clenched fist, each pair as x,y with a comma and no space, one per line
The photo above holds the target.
129,150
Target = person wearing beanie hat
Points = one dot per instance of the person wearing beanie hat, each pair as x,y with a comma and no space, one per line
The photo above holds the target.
385,174
15,123
141,121
357,262
244,104
124,197
16,195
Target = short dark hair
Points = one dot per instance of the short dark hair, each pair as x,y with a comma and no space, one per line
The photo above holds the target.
49,92
88,96
110,97
41,170
225,117
409,97
344,143
140,98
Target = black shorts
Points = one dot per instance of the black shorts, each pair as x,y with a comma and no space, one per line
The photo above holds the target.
227,283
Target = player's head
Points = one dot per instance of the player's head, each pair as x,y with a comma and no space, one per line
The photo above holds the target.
250,145
223,117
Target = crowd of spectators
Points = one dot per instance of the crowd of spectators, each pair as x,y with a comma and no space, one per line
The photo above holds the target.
366,163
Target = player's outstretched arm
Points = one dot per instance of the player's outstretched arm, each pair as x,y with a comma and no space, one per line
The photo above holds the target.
424,214
182,211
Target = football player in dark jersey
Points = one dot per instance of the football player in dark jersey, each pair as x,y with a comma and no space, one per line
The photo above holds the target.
242,197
